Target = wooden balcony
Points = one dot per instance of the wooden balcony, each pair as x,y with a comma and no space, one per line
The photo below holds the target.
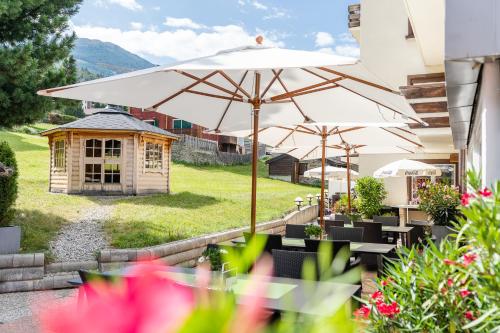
354,15
198,133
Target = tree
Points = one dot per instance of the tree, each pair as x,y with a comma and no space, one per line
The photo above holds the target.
35,49
371,193
8,183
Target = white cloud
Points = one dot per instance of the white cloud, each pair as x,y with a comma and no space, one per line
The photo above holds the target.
324,39
136,25
178,44
129,4
345,50
182,22
259,5
346,37
157,8
241,2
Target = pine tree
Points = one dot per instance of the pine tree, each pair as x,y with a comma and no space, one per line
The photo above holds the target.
35,53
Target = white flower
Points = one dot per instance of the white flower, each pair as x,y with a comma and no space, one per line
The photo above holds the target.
223,251
201,260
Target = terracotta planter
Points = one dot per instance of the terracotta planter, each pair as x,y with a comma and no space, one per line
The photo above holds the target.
10,239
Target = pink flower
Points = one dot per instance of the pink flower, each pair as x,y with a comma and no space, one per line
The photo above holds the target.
449,283
388,310
386,281
465,198
485,192
449,262
147,301
363,312
469,315
377,296
464,293
469,258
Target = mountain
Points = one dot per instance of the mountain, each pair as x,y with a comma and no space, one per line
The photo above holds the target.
95,58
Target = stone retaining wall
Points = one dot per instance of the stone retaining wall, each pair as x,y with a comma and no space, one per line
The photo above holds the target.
186,252
28,272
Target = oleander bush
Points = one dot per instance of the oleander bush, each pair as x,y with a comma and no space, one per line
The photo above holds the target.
440,201
8,184
370,194
451,288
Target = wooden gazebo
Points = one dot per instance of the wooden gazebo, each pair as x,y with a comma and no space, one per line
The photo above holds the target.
109,152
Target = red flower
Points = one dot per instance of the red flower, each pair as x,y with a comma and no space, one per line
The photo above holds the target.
464,293
465,198
388,310
378,296
485,192
449,262
450,282
469,258
469,315
363,312
386,281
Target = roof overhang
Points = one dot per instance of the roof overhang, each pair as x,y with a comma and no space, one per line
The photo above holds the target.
114,131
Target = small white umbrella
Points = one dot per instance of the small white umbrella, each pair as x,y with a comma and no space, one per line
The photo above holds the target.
249,87
405,167
331,172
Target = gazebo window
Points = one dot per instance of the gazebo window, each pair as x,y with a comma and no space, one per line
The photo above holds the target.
112,148
59,154
112,173
93,148
92,173
154,156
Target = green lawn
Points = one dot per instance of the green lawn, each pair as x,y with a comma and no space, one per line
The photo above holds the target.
204,200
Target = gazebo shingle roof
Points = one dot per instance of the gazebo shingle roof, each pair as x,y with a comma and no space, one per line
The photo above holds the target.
111,119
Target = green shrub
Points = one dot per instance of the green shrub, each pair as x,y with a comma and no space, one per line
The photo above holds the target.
341,206
440,201
8,184
313,230
450,288
59,118
371,193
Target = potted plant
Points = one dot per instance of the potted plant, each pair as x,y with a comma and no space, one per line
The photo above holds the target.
10,236
370,194
213,255
441,203
313,231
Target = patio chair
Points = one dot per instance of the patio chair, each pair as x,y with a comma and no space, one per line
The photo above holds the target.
288,264
333,223
295,231
343,233
417,234
391,221
342,217
312,245
272,241
372,231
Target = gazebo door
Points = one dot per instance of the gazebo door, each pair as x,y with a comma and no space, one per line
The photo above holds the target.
103,165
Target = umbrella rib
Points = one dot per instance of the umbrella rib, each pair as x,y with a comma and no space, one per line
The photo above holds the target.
260,130
198,81
308,89
402,137
315,74
213,85
308,129
215,96
236,85
286,136
349,129
229,103
308,153
293,100
346,76
405,149
330,132
297,130
271,83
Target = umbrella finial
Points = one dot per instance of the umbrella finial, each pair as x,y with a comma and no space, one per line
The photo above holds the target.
259,39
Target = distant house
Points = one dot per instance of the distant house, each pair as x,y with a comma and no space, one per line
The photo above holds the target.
178,126
286,167
109,152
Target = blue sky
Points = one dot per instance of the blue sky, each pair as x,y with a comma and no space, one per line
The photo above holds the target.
164,31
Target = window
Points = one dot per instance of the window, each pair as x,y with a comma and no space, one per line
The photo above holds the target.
92,173
178,123
154,156
59,154
93,148
112,148
112,173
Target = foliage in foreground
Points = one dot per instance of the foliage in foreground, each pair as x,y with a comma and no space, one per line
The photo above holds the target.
8,184
453,288
440,201
371,192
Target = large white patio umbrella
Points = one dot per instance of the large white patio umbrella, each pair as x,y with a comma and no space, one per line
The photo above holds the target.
405,168
330,172
249,87
321,140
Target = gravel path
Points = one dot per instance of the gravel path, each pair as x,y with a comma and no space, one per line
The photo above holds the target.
83,237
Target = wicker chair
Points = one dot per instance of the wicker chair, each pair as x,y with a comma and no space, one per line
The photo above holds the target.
272,241
288,264
392,221
342,217
343,233
333,223
372,231
295,231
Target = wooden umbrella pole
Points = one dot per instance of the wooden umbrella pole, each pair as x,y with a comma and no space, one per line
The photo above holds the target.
322,202
255,149
347,150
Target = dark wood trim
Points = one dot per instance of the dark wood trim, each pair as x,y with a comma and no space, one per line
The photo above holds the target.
430,107
434,122
424,91
425,78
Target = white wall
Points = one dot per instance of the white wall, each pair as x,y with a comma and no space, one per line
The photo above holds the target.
484,146
396,187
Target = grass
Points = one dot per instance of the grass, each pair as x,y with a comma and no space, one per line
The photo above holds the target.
203,200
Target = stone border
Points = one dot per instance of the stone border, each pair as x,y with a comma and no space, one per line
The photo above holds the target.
28,272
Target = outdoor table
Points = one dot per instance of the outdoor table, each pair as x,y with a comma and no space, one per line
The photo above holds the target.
283,294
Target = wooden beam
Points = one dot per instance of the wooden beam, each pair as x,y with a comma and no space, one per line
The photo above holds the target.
425,78
424,91
430,107
434,122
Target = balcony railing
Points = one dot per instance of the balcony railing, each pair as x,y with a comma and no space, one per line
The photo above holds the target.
354,15
198,133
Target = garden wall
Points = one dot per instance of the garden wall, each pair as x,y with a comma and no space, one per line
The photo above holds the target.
29,272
